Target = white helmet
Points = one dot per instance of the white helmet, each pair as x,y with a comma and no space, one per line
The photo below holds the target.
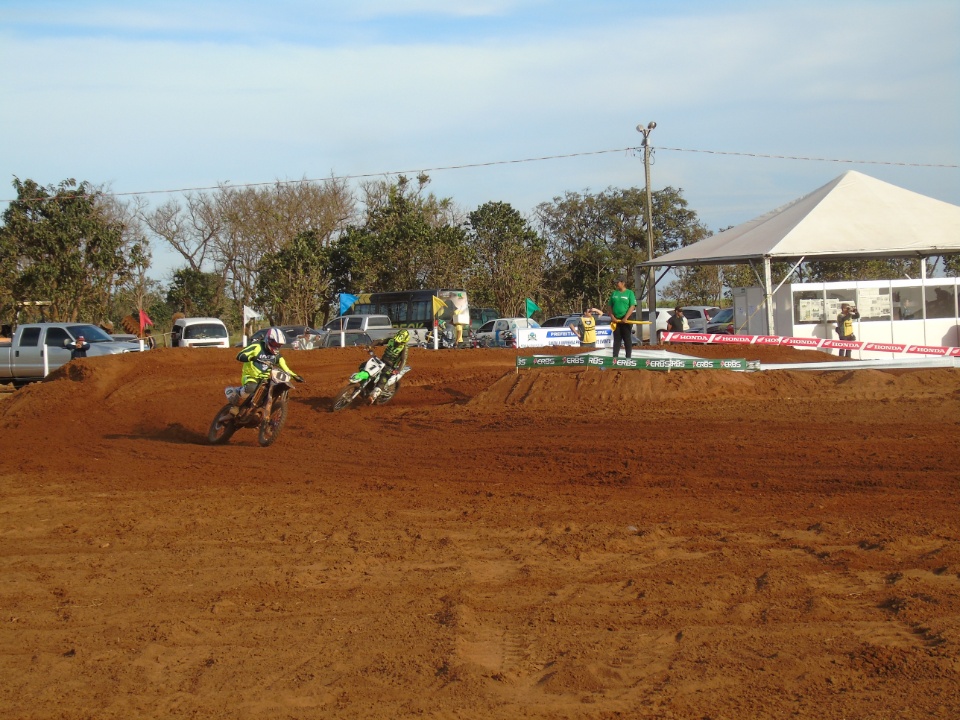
274,339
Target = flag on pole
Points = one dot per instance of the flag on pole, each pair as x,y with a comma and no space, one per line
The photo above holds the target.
346,302
532,307
438,305
144,321
249,314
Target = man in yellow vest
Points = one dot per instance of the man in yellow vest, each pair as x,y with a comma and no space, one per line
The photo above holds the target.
845,320
586,329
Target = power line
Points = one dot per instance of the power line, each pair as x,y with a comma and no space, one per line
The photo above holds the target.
812,159
491,163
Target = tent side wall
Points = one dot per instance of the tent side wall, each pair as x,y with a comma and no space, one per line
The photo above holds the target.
913,312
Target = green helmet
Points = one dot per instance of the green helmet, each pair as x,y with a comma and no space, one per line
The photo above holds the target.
401,338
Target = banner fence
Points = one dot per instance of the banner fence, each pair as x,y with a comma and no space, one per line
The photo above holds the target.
634,363
814,343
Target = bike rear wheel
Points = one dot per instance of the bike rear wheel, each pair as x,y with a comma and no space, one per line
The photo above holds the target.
272,424
222,427
345,397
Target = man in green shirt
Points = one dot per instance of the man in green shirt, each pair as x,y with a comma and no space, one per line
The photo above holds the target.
620,306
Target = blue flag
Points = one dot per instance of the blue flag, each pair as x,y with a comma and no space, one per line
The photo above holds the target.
346,302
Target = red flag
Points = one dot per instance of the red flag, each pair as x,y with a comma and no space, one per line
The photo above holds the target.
144,321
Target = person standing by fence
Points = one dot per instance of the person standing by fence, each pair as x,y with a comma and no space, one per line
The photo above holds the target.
848,314
620,306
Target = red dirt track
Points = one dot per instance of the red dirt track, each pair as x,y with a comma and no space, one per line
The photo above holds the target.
558,543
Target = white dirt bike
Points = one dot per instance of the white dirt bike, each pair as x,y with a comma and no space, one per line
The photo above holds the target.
362,384
266,408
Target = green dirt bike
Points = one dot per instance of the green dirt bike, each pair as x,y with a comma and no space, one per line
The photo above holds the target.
363,384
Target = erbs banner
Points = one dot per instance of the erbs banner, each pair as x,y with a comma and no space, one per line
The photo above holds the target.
630,363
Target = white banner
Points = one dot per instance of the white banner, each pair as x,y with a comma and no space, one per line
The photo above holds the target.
545,337
249,314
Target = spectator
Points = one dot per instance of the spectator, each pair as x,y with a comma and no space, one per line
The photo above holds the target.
585,328
78,348
676,322
848,313
621,305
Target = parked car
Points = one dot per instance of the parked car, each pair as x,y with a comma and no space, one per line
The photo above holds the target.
722,322
349,339
37,348
491,333
567,320
379,327
557,321
199,332
481,315
643,333
290,334
698,316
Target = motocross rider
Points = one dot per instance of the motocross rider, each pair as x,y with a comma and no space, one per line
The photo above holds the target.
257,358
394,358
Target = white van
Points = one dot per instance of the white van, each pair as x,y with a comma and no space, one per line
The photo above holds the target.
200,332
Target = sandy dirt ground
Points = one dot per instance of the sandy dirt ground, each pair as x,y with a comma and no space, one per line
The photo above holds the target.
558,543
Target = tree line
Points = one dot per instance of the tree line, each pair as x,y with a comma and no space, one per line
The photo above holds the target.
288,249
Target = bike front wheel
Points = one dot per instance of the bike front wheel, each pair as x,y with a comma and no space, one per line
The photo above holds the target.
345,397
273,423
222,427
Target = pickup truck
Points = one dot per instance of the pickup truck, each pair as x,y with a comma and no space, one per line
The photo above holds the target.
22,357
378,327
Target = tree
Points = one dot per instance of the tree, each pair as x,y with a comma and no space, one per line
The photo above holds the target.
195,293
294,283
593,238
264,221
65,244
408,240
229,232
508,258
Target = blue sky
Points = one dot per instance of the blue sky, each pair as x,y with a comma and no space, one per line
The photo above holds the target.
154,96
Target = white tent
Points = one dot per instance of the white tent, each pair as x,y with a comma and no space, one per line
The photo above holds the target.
853,216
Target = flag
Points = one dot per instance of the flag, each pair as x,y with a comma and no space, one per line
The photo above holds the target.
346,302
438,305
249,314
532,307
144,321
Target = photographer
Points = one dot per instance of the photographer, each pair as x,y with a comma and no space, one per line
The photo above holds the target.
848,313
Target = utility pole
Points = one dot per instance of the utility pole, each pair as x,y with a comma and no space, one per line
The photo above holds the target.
651,271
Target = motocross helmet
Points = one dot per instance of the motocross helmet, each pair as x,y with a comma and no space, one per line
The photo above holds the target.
401,338
274,340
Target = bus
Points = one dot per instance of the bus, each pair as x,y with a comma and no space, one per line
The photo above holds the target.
414,309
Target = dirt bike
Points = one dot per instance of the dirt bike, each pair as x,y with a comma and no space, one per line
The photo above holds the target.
363,384
445,338
266,408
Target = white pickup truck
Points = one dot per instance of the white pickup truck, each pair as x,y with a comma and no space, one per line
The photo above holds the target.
36,347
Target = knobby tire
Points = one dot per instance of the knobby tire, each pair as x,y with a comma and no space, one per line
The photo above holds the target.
345,397
272,424
222,427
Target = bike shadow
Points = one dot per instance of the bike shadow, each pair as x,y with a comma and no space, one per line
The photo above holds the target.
318,404
174,433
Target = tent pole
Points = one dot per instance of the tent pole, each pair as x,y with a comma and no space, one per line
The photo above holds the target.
768,294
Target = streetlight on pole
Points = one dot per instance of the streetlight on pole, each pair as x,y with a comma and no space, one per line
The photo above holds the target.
651,272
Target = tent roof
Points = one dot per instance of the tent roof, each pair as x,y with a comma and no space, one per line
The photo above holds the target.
853,216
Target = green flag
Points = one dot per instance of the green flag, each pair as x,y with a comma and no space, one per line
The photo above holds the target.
532,307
